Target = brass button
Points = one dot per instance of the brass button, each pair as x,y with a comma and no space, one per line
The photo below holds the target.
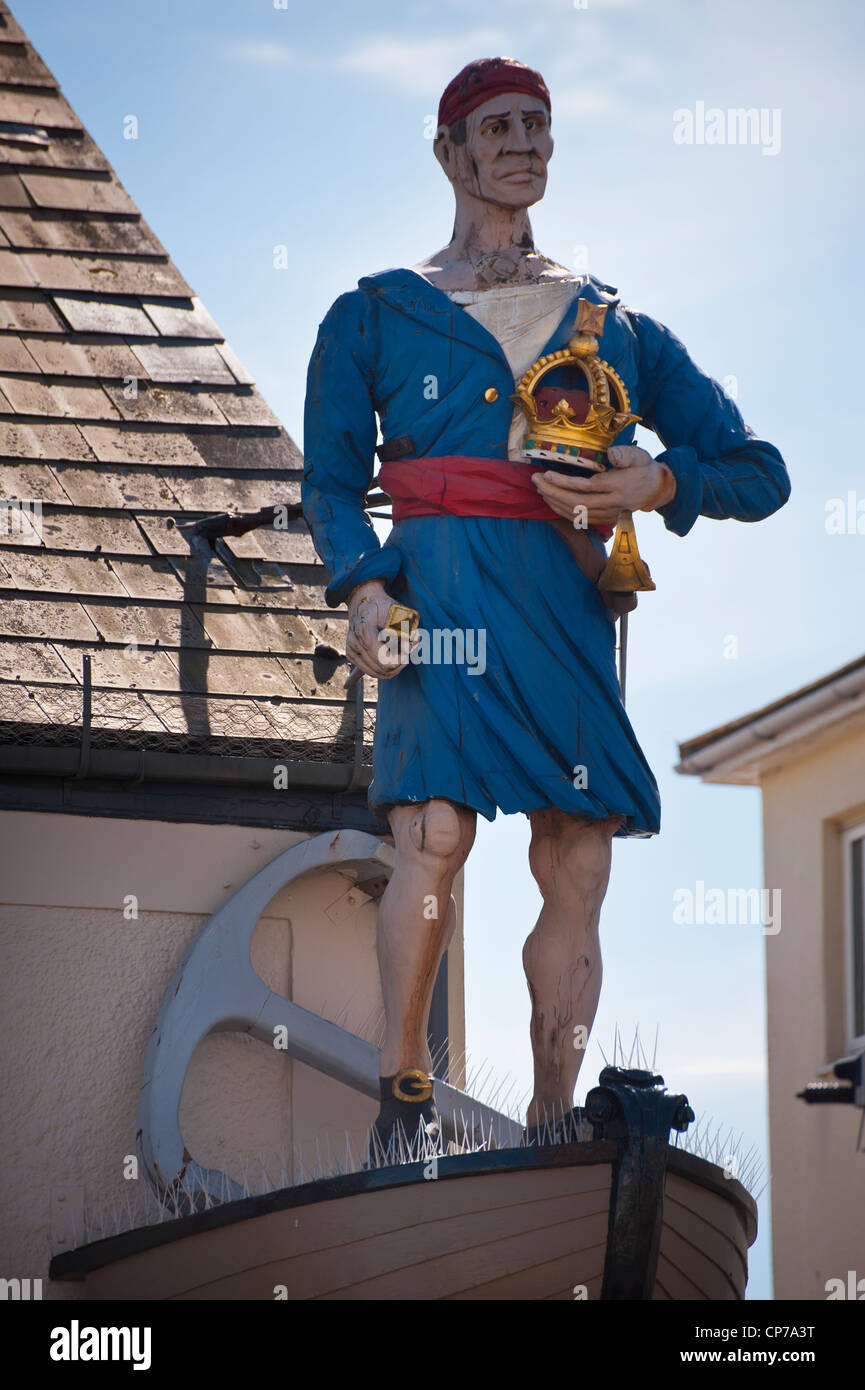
491,394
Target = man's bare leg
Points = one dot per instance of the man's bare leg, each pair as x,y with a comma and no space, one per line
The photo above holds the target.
416,921
570,859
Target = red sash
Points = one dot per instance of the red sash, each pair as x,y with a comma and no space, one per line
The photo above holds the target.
453,485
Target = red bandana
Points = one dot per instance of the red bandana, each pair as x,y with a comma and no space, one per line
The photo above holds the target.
486,78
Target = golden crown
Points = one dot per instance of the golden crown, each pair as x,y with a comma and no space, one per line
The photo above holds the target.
608,412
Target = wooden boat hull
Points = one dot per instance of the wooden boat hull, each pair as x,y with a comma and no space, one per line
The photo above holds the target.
518,1224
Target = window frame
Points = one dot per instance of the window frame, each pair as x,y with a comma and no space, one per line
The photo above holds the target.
849,837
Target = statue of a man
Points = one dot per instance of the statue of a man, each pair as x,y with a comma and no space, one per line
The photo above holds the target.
483,542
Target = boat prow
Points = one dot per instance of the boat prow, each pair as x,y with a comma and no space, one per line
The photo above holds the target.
558,1222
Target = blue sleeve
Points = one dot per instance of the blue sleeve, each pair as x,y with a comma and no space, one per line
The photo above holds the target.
721,469
339,449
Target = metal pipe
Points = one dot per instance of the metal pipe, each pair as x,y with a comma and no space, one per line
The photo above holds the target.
357,762
623,652
86,720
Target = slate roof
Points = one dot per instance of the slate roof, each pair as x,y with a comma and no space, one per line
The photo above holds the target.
125,414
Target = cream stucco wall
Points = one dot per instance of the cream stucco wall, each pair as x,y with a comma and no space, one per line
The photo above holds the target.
818,1178
81,987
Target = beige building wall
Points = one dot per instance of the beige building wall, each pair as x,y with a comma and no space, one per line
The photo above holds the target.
82,985
818,1178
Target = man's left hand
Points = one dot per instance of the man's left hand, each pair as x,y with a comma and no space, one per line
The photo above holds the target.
636,482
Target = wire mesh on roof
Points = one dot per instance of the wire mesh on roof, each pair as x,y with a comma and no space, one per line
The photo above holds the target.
234,726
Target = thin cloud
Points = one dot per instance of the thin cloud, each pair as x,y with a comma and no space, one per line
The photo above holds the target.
559,7
404,65
582,103
412,65
265,55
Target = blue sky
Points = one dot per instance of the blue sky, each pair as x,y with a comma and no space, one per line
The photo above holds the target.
305,127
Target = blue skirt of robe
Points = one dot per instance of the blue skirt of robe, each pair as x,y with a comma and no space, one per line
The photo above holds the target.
544,724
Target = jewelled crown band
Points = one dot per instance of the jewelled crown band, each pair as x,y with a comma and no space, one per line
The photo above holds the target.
555,425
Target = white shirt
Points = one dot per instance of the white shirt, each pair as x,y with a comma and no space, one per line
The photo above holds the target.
522,318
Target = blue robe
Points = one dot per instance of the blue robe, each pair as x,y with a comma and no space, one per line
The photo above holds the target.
544,724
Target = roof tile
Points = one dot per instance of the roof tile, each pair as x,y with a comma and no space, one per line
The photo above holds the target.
164,535
43,441
212,583
233,362
47,109
28,397
30,480
104,316
58,357
76,151
180,321
187,363
169,627
241,675
305,593
62,620
10,30
19,64
56,233
292,545
248,409
164,406
113,445
14,356
74,529
264,586
61,574
325,684
138,668
279,633
14,270
129,489
148,579
270,453
80,402
31,661
12,191
17,706
20,309
25,151
210,491
59,193
60,270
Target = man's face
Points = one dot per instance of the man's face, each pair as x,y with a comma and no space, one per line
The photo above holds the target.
507,147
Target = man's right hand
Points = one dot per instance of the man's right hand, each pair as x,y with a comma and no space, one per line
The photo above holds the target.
368,607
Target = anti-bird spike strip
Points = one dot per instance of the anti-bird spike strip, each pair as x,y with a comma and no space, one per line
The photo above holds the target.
471,1135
